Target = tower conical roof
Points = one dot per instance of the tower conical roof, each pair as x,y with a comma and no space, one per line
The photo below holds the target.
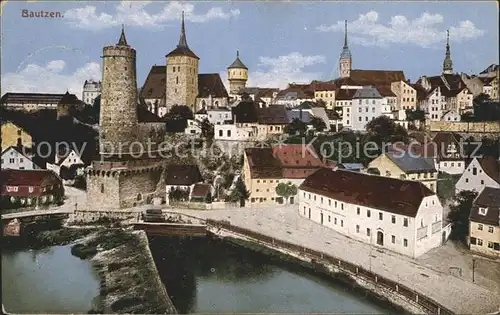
122,41
447,63
237,63
182,48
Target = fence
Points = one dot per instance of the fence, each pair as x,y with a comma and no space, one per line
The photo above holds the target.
430,305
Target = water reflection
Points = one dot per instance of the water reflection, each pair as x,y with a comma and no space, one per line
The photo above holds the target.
205,275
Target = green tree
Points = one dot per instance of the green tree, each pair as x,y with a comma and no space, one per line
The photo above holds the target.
286,190
417,114
297,126
320,103
239,193
459,215
207,129
318,124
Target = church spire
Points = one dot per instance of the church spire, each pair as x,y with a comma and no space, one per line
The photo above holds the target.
122,41
345,35
447,63
182,39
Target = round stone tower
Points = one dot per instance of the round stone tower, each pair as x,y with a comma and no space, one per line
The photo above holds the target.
182,74
237,74
118,113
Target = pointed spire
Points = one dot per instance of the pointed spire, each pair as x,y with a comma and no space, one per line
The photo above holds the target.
345,35
237,54
447,63
182,39
123,40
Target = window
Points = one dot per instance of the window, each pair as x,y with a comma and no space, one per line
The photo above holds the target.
335,221
335,204
474,171
357,228
102,188
341,223
480,227
380,216
321,200
405,242
393,239
358,210
482,182
393,219
483,211
329,202
368,213
329,219
479,242
368,231
490,244
405,222
473,241
490,229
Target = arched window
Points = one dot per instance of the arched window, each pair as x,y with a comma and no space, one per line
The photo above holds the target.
102,188
139,197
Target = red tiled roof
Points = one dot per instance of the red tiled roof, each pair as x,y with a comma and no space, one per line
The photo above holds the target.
272,115
385,91
345,94
183,175
27,177
376,77
368,190
322,86
155,85
200,190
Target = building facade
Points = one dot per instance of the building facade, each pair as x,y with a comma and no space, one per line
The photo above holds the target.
406,95
91,90
14,136
484,218
14,158
367,104
237,75
409,223
481,172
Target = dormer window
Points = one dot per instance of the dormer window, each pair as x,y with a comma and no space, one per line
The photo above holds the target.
483,211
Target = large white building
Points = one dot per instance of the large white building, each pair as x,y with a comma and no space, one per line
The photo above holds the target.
367,104
399,215
481,172
91,90
14,158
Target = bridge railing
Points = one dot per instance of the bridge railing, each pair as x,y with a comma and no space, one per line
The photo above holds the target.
428,304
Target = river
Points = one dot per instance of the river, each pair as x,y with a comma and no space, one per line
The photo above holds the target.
213,276
49,280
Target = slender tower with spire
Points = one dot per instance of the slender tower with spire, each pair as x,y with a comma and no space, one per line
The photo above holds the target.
237,74
345,63
447,63
182,74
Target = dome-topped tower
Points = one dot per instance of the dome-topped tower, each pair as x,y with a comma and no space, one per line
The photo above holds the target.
345,63
237,74
182,74
447,63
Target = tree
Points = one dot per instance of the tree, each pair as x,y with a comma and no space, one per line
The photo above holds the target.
459,215
320,103
286,190
179,112
417,114
318,124
207,129
383,130
239,193
296,126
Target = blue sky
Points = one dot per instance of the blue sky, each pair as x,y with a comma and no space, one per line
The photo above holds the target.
279,42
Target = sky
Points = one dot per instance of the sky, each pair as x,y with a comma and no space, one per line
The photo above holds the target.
280,42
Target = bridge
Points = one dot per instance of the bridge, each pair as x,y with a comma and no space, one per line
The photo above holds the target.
172,229
14,223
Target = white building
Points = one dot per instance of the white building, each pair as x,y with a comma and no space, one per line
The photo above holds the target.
193,127
480,173
433,104
14,158
218,116
201,115
451,115
447,153
30,101
410,222
91,90
237,132
67,160
367,104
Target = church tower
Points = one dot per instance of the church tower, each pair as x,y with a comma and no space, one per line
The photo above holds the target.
118,113
447,63
345,63
182,74
237,74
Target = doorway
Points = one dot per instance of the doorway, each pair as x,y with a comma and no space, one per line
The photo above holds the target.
380,238
291,200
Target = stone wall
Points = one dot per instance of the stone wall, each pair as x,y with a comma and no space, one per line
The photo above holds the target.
103,191
464,127
139,188
118,115
93,215
154,131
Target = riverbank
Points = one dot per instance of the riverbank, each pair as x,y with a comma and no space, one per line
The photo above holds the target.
129,281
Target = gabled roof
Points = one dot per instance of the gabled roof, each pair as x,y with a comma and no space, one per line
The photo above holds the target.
263,164
368,190
200,190
70,99
303,116
272,115
155,85
367,92
411,163
491,167
491,68
26,177
323,86
385,91
488,198
24,151
421,92
345,94
183,175
211,84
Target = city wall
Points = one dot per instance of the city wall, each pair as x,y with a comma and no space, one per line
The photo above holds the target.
464,127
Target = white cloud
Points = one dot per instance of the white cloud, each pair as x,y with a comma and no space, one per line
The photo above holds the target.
134,13
50,78
424,31
279,71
